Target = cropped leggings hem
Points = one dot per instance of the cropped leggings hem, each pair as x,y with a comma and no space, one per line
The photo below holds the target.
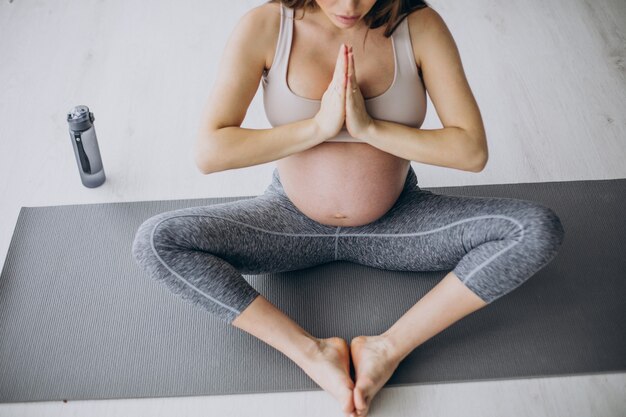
200,253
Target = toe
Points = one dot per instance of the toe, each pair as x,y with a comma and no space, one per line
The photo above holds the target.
361,401
347,402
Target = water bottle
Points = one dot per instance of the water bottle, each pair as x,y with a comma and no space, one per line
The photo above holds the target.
85,143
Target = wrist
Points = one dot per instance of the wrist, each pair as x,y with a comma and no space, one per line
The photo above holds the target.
370,130
317,133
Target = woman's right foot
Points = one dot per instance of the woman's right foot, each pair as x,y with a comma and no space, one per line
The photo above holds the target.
329,367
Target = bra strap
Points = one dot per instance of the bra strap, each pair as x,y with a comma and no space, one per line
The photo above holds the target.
406,59
284,40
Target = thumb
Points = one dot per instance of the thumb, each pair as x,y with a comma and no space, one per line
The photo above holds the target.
341,67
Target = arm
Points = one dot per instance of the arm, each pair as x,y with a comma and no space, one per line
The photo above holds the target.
450,147
221,143
462,143
234,147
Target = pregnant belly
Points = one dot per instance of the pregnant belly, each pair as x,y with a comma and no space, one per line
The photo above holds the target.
343,183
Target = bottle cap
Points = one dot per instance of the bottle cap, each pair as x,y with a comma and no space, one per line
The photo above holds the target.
80,118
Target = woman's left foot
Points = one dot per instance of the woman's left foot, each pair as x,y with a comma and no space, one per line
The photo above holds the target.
373,364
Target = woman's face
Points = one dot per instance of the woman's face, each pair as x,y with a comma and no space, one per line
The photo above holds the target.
335,9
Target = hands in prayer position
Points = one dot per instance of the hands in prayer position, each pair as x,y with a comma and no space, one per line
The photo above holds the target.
342,101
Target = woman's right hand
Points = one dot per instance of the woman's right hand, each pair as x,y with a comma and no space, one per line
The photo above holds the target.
332,113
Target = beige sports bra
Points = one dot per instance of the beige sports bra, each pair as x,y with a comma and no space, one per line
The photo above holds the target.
404,102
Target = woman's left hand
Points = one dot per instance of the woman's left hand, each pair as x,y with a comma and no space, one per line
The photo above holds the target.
357,118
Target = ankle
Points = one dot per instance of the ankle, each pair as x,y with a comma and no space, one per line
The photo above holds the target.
311,346
305,349
264,321
395,348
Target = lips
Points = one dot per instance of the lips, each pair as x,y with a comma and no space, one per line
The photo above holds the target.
347,20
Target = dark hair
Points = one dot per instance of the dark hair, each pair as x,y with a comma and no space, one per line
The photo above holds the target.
384,12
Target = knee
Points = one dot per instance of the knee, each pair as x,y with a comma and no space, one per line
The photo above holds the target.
145,238
545,230
165,232
142,246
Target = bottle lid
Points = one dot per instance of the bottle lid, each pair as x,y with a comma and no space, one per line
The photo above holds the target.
80,118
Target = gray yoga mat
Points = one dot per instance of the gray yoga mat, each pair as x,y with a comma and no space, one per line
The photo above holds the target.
80,320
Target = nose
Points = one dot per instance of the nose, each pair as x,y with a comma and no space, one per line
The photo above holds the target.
349,7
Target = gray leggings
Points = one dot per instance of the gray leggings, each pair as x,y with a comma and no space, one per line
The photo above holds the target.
492,244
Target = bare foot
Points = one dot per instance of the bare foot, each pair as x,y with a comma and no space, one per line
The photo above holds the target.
373,365
329,367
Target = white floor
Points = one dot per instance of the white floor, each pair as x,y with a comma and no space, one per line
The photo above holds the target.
549,77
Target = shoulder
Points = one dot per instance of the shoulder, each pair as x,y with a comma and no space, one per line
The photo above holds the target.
423,19
423,24
266,11
263,19
262,26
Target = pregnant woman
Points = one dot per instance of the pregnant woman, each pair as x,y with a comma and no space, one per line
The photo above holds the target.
344,86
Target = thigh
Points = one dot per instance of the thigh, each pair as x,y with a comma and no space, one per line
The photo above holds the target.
425,231
255,235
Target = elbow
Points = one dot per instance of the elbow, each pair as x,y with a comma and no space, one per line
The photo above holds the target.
480,160
479,168
202,166
476,146
208,158
209,165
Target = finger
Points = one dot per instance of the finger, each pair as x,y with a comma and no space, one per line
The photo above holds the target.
341,63
356,85
345,67
351,76
348,68
338,83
